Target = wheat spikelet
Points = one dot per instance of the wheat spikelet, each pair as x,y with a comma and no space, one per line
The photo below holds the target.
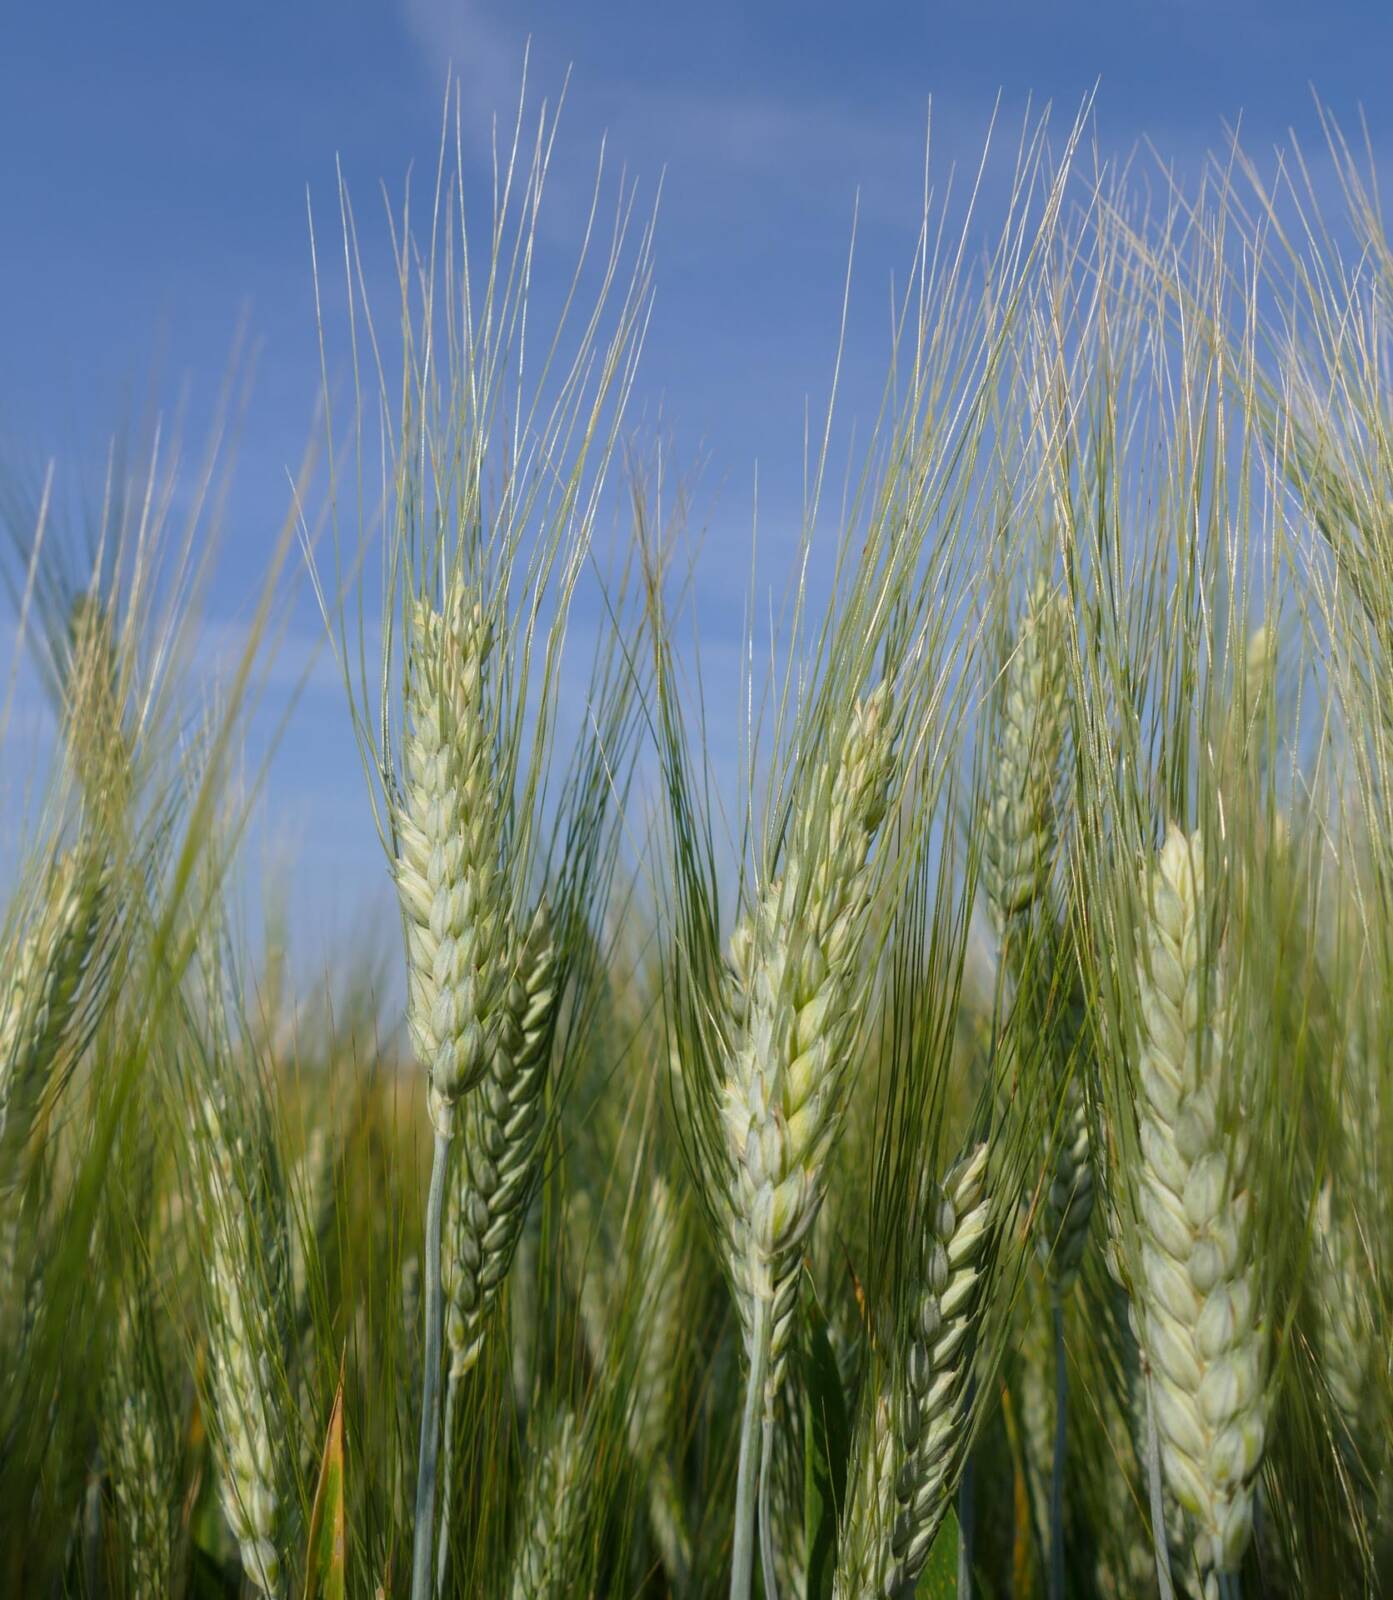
554,1507
246,1272
794,969
447,861
1020,835
1200,1326
500,1151
912,1455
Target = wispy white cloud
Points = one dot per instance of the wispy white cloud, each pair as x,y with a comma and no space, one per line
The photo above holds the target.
812,144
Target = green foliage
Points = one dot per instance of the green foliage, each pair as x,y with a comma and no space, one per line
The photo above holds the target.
326,1545
826,1454
939,1579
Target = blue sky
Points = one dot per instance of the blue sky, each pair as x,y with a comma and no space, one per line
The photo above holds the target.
156,160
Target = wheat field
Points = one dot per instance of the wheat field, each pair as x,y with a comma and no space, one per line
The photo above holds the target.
954,1166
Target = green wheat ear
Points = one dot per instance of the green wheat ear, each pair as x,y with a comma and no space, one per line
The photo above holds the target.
911,1450
794,964
553,1510
44,991
1067,1210
791,1014
1021,832
248,1286
1200,1321
501,1150
447,868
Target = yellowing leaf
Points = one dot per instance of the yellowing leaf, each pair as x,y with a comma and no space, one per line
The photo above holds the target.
325,1557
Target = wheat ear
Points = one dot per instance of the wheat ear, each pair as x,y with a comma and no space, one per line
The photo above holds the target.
41,1006
795,972
554,1508
246,1290
449,828
496,1175
658,1333
1200,1323
43,994
1068,1202
1021,832
1346,1321
914,1444
500,1150
644,1346
447,862
312,1186
139,1447
1019,847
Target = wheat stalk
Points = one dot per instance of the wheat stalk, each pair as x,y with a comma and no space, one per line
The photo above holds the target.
791,996
1020,843
1200,1323
448,832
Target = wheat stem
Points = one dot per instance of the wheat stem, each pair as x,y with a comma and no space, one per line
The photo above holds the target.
967,1516
742,1547
766,1515
422,1543
454,1382
1061,1439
